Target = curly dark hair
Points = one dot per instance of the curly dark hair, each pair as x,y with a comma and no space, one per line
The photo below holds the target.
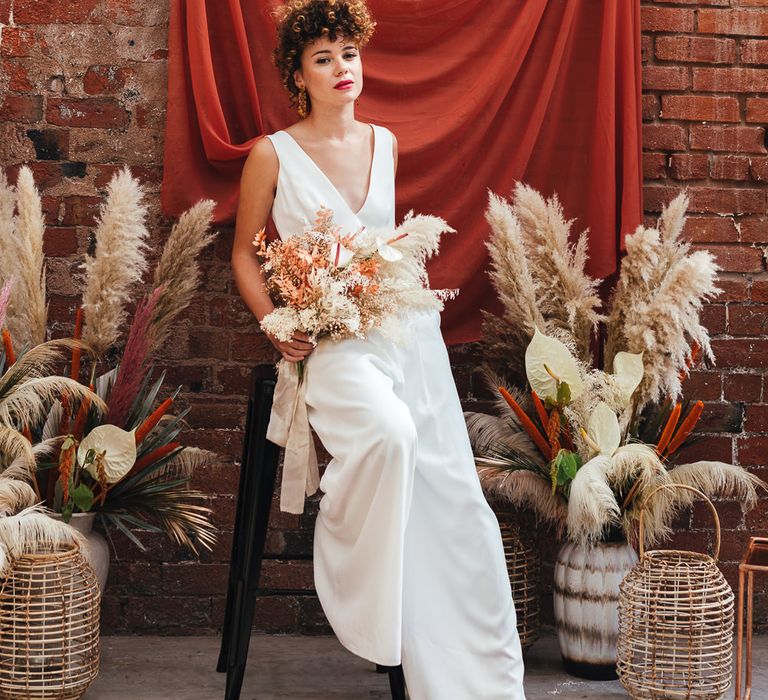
301,21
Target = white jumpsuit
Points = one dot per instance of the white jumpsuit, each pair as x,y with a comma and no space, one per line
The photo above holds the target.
408,559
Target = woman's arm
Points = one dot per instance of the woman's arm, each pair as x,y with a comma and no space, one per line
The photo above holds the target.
394,151
257,192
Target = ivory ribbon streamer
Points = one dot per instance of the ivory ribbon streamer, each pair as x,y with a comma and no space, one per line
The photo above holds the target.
289,428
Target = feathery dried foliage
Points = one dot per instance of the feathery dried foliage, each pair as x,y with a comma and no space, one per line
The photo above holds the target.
30,530
178,272
657,303
186,462
525,489
133,366
592,505
15,496
21,257
566,295
5,297
17,459
118,264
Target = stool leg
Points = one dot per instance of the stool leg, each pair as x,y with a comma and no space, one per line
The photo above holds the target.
739,635
260,465
396,682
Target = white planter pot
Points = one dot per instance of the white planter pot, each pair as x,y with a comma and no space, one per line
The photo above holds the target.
96,549
586,597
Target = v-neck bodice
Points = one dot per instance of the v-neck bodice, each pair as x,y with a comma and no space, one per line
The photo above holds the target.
302,188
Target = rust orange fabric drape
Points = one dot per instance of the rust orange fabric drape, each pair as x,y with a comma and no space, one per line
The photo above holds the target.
479,94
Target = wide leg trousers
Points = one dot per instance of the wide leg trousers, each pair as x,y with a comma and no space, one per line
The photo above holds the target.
408,559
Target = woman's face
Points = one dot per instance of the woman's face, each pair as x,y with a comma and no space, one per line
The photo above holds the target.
331,71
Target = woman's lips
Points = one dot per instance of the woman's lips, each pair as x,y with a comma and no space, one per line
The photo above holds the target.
345,85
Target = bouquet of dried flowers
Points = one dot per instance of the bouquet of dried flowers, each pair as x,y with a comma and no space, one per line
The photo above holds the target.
336,285
585,446
101,444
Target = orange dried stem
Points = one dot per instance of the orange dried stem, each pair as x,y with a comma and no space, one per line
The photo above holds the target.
686,427
669,429
527,423
75,373
152,420
82,416
541,412
152,457
10,355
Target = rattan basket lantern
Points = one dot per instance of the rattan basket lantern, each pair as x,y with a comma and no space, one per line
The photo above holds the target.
49,625
523,566
676,623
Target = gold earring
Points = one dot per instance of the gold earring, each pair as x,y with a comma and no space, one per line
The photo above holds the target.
301,106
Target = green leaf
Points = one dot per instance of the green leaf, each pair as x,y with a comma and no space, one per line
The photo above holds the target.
83,498
563,393
66,511
567,464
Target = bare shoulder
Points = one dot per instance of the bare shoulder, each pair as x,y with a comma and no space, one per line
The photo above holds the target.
262,163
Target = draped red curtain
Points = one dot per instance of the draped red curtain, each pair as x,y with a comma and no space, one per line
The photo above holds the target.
479,94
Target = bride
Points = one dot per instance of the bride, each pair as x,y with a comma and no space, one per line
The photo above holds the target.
408,560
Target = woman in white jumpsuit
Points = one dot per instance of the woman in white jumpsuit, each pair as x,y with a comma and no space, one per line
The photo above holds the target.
408,560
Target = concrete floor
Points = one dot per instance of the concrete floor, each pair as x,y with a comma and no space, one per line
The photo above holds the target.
282,667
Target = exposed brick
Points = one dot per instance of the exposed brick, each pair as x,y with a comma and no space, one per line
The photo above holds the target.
253,347
759,293
713,318
291,575
721,418
53,12
17,76
50,144
702,229
704,385
730,168
17,42
700,108
709,199
738,258
733,287
22,108
758,168
689,166
665,19
60,241
713,447
742,139
748,320
756,418
757,109
754,230
754,51
741,352
80,210
99,112
666,78
692,49
646,48
654,166
752,450
729,80
664,137
104,80
650,107
742,387
749,22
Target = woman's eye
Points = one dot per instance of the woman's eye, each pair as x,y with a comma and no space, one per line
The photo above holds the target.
350,55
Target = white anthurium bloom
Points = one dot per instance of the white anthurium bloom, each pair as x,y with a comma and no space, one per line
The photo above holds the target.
544,353
628,371
118,447
340,256
387,250
604,430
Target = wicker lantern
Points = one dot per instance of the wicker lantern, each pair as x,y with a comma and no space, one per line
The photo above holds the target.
49,625
676,623
523,567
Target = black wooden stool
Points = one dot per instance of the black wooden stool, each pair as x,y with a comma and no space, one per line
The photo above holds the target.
254,496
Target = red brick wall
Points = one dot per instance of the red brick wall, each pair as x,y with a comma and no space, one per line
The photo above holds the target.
82,90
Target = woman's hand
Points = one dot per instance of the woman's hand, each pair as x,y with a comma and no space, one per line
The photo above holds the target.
294,350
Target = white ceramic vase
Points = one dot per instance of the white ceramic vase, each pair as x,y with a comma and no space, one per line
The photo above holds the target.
586,597
96,549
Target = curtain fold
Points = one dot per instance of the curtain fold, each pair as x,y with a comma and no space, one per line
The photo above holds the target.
479,94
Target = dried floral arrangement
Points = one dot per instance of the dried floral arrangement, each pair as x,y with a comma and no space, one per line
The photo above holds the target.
346,285
99,439
583,446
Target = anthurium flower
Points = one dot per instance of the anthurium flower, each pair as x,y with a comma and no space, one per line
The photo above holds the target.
604,430
339,255
628,371
547,362
387,250
118,447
